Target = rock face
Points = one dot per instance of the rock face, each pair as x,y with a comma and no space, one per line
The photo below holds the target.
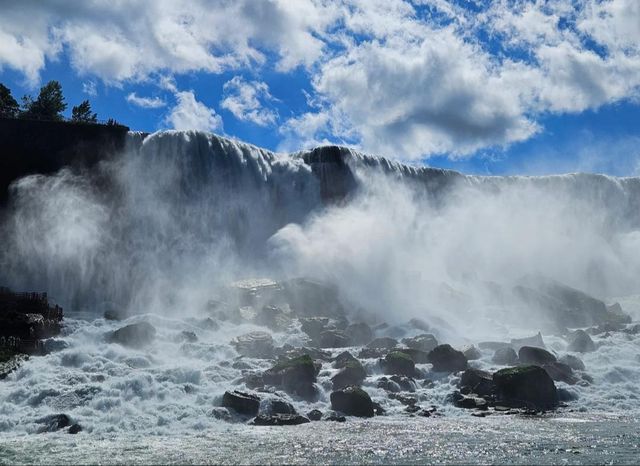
581,342
296,376
534,355
352,373
134,335
255,345
424,342
241,402
398,363
279,420
505,356
527,387
352,401
446,359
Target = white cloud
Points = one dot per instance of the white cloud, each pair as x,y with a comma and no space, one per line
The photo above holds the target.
190,114
246,100
90,88
145,102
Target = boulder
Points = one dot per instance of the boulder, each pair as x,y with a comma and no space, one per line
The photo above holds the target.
359,333
342,359
446,359
471,353
535,341
352,401
75,429
314,326
333,339
632,329
314,415
255,345
53,422
279,420
399,363
581,342
383,343
277,406
134,335
424,342
272,317
560,372
419,324
615,314
478,382
505,356
471,402
296,376
527,387
368,353
247,404
573,362
416,355
534,355
352,373
406,384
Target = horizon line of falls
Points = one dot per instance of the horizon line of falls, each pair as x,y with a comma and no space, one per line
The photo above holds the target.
176,217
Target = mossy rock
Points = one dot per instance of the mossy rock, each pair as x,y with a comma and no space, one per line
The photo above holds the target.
352,374
399,363
352,401
295,375
526,386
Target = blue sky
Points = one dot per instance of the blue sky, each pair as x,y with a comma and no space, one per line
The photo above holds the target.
503,87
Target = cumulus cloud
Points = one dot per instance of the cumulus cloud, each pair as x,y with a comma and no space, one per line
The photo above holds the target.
190,114
145,102
246,101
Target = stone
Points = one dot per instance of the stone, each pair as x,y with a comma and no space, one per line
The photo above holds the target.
272,317
314,326
368,353
134,335
615,314
581,342
279,420
406,400
416,355
399,363
255,345
383,343
342,359
352,401
446,359
314,415
352,373
424,342
359,333
526,386
75,429
478,382
505,356
333,339
535,341
419,324
560,372
406,384
54,422
276,406
296,376
534,355
471,353
243,403
573,362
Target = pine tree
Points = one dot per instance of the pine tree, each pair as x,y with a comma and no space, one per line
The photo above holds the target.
49,105
82,113
8,106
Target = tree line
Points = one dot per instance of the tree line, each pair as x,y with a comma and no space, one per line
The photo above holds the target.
48,105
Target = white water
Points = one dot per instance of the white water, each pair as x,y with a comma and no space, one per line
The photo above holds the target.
186,213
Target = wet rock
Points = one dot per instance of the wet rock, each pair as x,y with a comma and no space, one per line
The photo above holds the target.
406,384
290,352
314,415
471,353
399,363
567,395
560,372
419,324
115,314
425,342
335,417
573,362
615,314
255,345
536,341
54,422
632,329
75,429
273,317
333,339
388,385
222,414
534,355
478,382
342,359
134,335
472,402
446,359
359,333
241,402
314,326
279,420
276,406
526,386
581,342
417,356
383,343
52,345
352,401
406,400
352,373
505,356
368,353
296,376
378,410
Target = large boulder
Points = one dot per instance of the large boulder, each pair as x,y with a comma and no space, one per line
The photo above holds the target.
352,373
296,376
505,356
573,362
526,386
581,342
383,343
417,356
273,317
314,326
54,422
359,333
534,355
478,382
279,420
424,342
255,345
135,335
352,401
247,404
277,406
615,314
446,359
471,353
398,363
333,339
560,372
536,341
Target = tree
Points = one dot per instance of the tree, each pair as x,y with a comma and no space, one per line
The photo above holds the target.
49,105
82,113
8,106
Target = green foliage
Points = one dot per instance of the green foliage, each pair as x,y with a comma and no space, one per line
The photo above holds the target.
302,361
48,106
8,105
82,113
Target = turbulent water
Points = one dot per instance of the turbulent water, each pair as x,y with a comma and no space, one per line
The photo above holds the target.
162,229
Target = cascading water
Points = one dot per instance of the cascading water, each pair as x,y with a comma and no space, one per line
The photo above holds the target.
162,229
